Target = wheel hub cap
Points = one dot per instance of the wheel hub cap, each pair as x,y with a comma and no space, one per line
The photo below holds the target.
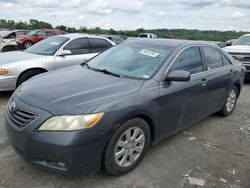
129,147
231,100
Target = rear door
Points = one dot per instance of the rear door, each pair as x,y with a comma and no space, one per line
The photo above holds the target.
182,103
80,53
220,74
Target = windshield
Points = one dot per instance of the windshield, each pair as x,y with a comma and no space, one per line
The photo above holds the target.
48,46
131,60
244,40
143,35
31,33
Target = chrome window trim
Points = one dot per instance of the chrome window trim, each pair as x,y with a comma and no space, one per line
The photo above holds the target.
203,60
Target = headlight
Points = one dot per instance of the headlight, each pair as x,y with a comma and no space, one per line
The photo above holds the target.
71,122
3,71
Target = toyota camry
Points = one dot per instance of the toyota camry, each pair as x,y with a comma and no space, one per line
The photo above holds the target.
104,114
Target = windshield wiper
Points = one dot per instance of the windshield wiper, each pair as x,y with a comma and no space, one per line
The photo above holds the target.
105,71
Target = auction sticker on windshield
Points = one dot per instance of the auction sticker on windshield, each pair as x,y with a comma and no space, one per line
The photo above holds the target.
55,43
149,53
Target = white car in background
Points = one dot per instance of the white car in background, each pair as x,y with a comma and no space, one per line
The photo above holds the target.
240,50
8,41
52,53
147,35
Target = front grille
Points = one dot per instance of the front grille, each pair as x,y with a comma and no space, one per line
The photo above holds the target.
247,67
245,57
21,118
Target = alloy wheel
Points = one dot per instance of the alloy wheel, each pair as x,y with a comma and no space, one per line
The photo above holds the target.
129,147
231,100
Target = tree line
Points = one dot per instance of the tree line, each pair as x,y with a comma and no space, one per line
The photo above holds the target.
161,33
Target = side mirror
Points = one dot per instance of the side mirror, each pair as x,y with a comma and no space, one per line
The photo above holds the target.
64,53
179,76
229,43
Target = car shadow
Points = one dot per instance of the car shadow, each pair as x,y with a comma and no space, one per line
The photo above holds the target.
247,82
5,94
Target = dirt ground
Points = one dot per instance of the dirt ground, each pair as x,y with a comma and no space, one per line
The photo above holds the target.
213,153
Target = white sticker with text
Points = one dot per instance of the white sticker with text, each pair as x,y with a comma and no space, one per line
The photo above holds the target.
149,53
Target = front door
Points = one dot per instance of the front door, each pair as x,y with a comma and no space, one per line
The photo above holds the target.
80,53
182,103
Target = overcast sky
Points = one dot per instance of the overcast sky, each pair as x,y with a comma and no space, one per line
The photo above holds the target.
133,14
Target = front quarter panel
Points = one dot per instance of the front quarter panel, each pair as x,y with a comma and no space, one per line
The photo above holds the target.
17,68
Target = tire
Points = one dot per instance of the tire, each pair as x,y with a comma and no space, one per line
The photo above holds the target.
230,103
27,75
137,147
9,49
27,44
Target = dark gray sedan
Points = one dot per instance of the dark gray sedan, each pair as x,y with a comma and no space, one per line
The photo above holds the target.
107,112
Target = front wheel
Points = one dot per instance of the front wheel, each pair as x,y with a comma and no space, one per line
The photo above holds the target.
27,44
230,103
9,49
127,147
27,75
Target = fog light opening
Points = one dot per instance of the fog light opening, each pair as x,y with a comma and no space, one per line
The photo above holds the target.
56,164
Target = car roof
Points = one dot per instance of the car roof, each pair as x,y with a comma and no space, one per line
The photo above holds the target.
170,42
247,34
79,35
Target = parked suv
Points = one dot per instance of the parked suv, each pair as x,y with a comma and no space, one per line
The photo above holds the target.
8,41
147,35
35,36
240,50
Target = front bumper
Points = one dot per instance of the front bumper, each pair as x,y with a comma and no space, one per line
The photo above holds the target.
75,152
8,83
20,45
247,66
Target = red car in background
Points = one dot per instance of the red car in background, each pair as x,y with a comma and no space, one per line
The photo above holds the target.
35,36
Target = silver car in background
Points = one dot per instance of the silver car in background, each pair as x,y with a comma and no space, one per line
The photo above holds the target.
53,53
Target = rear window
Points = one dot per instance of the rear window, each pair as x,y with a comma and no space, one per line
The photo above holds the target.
225,60
212,57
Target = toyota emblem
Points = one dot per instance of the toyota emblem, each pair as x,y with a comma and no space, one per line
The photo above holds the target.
12,106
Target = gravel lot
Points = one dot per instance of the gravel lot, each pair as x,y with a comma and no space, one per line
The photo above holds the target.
213,153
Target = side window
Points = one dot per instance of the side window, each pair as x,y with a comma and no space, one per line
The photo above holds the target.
189,60
225,60
49,33
212,57
78,46
40,33
99,45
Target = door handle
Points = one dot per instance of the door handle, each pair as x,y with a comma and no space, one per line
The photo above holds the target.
204,82
231,72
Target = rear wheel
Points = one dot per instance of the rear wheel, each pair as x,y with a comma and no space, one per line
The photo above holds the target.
9,49
230,103
127,147
27,75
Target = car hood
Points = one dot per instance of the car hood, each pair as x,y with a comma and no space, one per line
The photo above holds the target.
16,56
238,49
5,33
76,90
